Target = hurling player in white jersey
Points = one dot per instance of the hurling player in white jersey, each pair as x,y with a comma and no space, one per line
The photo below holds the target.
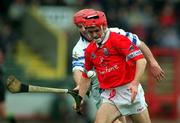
78,57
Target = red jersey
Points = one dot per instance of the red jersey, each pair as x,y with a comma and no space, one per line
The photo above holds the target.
114,61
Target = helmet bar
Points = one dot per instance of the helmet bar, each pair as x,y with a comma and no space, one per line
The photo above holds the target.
92,17
79,16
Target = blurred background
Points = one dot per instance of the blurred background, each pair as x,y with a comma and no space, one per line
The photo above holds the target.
37,37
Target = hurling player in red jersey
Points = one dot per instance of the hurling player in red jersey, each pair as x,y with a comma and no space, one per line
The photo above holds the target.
119,65
79,60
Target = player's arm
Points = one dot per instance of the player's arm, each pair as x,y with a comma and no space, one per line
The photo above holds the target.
155,68
77,65
84,86
85,80
136,41
77,75
136,56
132,55
140,67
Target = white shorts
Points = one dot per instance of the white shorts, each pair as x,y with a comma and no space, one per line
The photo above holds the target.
121,98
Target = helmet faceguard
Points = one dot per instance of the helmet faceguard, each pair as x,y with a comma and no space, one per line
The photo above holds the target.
97,34
97,20
79,21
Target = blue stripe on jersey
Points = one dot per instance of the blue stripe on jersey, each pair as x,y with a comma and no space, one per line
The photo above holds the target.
77,64
127,33
134,40
75,59
132,37
79,58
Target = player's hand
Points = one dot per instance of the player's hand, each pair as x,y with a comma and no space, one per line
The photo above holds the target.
91,74
76,88
157,71
133,88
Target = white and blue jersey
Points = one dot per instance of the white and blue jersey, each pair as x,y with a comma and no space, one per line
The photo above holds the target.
78,50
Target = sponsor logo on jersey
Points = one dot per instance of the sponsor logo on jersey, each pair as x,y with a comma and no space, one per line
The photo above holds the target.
110,69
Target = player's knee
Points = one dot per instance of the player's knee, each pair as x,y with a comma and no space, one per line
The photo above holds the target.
121,119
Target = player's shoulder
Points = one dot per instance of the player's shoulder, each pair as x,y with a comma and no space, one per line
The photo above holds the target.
118,39
117,30
132,37
91,46
80,45
114,35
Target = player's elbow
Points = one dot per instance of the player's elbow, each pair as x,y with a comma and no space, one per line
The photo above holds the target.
144,61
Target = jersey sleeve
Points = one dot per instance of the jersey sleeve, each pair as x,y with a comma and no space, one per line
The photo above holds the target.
130,51
77,59
133,38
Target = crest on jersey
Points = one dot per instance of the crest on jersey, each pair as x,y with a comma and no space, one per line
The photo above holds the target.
105,51
75,55
131,48
93,56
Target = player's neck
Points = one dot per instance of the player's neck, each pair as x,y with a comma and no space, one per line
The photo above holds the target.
104,38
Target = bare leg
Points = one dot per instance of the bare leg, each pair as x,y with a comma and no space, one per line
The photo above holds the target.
104,113
121,119
142,117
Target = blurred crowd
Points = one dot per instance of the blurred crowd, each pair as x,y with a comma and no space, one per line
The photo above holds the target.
156,22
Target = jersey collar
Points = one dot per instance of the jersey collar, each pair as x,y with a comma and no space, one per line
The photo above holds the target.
105,38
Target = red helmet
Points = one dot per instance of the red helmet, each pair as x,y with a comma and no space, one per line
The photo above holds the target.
97,18
79,16
103,17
